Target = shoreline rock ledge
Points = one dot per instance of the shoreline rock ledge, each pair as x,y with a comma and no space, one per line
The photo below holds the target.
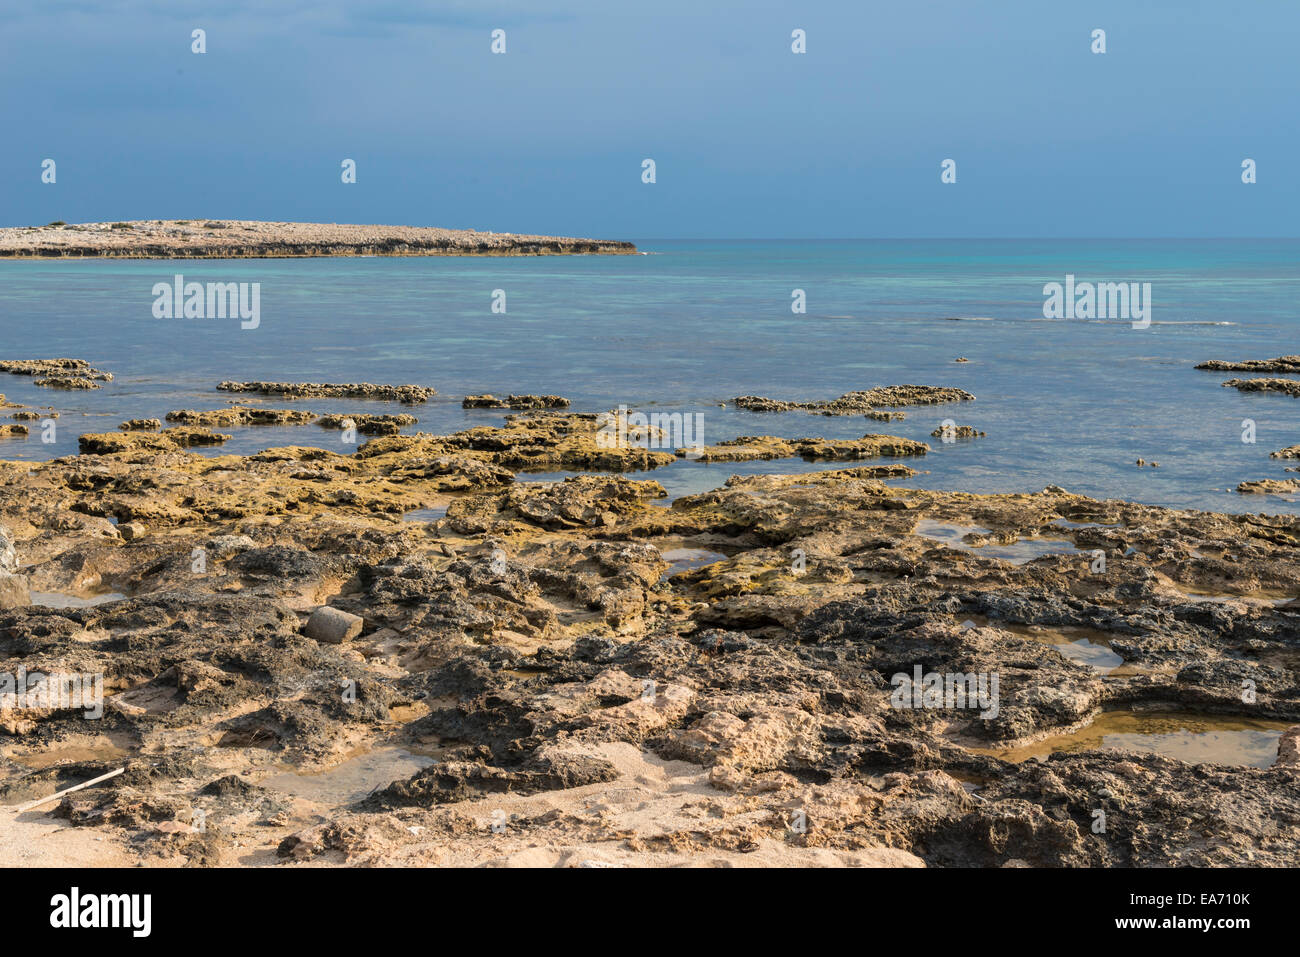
245,239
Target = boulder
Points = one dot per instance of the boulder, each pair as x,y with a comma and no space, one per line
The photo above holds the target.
332,626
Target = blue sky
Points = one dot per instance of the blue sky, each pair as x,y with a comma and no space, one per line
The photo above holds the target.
750,140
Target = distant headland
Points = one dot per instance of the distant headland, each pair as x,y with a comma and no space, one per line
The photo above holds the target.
248,239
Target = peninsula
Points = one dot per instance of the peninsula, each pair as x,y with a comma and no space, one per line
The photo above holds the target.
247,239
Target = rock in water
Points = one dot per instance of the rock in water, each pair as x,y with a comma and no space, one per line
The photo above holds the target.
332,626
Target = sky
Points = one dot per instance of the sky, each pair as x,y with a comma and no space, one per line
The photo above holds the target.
749,139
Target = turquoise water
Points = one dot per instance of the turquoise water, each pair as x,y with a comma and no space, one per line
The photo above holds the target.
694,324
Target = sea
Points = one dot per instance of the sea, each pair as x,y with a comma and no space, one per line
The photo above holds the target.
688,325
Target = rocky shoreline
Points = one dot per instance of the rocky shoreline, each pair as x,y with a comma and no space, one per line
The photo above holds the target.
247,239
408,655
1276,385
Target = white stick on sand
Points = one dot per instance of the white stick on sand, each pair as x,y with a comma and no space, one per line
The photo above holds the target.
76,787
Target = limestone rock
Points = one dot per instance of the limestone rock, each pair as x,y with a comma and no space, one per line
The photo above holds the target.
333,626
13,591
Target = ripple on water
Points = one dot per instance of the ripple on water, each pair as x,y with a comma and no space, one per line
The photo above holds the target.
1194,738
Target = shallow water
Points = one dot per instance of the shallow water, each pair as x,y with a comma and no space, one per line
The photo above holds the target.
1072,403
55,599
73,752
1017,553
1084,645
1087,646
1195,738
1098,657
687,559
1218,598
353,779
